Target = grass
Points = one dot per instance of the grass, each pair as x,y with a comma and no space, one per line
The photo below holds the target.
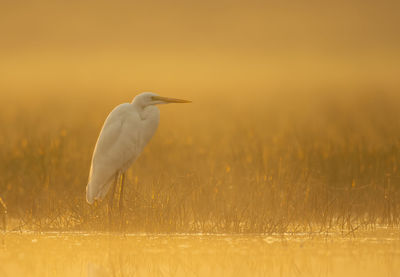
309,162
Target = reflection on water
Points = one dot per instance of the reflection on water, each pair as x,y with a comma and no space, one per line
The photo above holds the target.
52,254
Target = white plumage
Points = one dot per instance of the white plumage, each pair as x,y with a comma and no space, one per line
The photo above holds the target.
126,131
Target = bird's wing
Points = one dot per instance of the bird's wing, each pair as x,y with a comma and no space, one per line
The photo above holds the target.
117,147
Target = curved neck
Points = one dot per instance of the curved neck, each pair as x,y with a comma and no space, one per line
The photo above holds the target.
144,111
136,103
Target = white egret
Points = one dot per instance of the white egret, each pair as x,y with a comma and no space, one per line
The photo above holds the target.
126,131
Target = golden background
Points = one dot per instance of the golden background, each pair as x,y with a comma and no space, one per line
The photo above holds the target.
294,120
190,48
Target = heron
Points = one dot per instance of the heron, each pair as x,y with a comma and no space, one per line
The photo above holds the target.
125,133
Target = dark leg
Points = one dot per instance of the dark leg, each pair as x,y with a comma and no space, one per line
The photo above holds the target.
121,194
121,198
111,200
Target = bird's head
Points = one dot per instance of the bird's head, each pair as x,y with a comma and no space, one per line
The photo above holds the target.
148,98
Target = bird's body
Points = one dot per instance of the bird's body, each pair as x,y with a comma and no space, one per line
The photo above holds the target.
126,131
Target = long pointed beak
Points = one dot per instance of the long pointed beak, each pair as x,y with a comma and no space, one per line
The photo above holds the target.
170,100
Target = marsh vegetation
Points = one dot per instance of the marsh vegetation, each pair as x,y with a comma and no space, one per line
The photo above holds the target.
287,163
294,125
271,163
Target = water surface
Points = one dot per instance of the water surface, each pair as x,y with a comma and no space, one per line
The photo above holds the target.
75,254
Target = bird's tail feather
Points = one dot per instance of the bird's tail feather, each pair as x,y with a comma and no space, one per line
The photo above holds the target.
89,193
95,191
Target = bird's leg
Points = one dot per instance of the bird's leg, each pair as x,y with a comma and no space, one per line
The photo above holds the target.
121,192
121,198
111,200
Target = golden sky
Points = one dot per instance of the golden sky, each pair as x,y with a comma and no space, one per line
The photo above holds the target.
196,46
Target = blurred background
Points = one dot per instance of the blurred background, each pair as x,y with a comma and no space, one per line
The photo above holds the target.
284,93
198,47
